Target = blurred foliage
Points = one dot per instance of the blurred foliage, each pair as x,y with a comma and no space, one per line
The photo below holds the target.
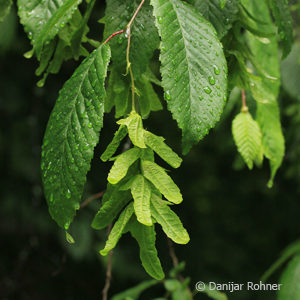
237,225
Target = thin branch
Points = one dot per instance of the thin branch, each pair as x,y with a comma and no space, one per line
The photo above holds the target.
111,36
174,258
244,105
91,198
135,14
108,270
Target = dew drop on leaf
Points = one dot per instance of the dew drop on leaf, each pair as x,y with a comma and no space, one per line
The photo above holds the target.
207,90
211,80
216,70
168,96
68,194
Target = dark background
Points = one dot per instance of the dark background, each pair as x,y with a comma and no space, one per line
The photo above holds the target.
237,225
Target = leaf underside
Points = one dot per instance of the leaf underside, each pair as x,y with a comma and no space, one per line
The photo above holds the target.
193,69
71,135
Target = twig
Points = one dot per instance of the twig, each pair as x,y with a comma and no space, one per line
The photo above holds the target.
244,106
108,270
91,198
111,36
174,258
128,35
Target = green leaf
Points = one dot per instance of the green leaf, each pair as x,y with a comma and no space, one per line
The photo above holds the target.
267,114
247,137
115,143
157,144
293,249
221,18
118,93
148,99
145,236
43,19
71,135
136,291
193,69
168,220
283,19
290,72
117,229
144,39
141,193
5,6
290,288
122,164
113,202
81,30
268,118
162,181
134,124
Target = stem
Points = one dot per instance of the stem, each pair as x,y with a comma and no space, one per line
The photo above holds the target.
135,14
129,69
244,105
91,198
118,32
108,270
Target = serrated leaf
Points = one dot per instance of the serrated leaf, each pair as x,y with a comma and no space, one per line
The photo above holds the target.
162,181
283,19
115,143
71,135
113,202
247,137
43,19
157,144
193,69
141,193
144,39
220,18
168,220
267,114
146,236
136,291
290,287
117,229
134,125
122,164
5,6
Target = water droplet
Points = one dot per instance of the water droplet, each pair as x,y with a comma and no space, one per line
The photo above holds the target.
62,24
168,96
211,80
90,125
51,199
30,35
160,20
216,70
68,194
200,98
67,225
207,90
127,32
